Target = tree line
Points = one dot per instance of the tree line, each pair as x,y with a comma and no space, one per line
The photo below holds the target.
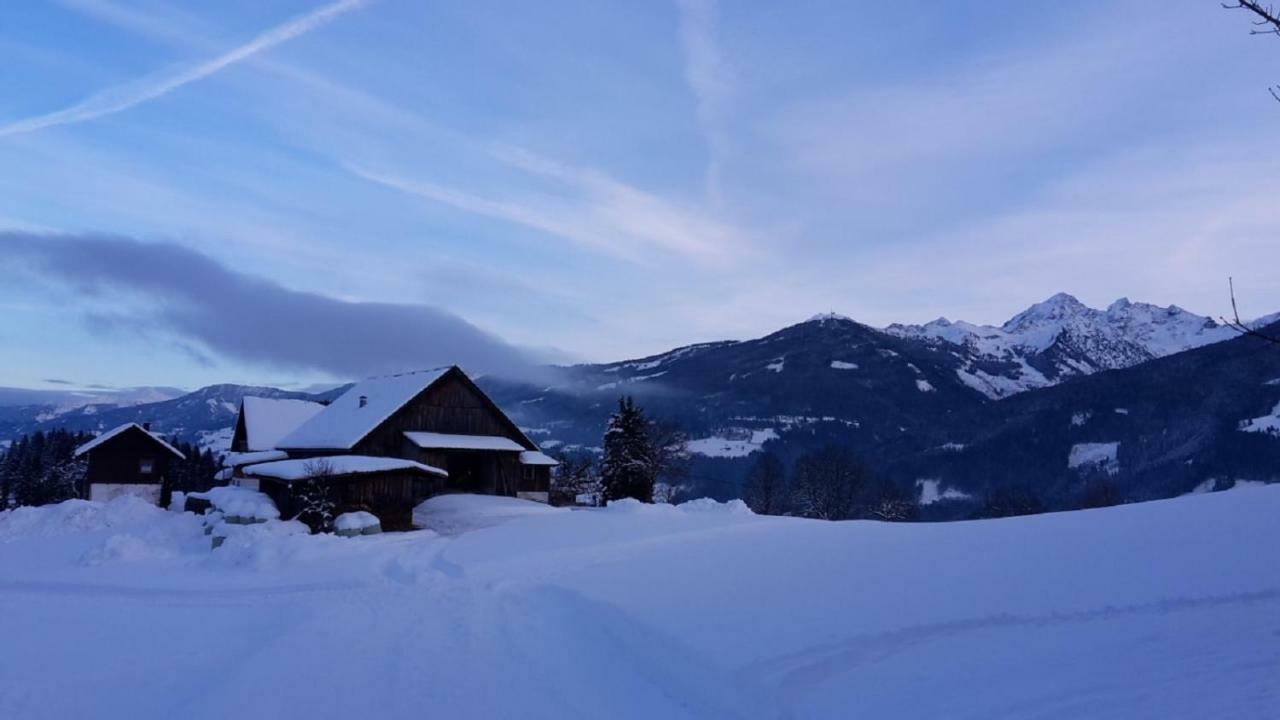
41,468
648,460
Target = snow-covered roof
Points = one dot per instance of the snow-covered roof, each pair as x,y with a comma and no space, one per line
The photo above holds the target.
448,441
349,418
533,457
234,460
302,468
268,420
118,430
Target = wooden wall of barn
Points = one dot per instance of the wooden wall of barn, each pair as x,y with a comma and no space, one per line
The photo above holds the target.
451,405
391,496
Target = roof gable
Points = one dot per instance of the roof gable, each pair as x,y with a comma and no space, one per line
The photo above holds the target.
120,430
348,419
268,420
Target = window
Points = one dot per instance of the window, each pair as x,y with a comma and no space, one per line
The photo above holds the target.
146,466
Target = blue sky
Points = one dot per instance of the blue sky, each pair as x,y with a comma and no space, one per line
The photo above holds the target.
604,180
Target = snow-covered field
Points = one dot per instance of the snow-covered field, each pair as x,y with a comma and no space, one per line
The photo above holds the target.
1163,610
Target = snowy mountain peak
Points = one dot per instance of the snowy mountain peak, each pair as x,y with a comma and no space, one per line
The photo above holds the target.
1062,337
1055,310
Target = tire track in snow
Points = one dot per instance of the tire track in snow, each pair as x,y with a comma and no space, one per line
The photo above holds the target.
795,672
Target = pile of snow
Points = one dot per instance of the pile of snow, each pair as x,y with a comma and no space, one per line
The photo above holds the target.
1099,455
732,443
356,523
239,504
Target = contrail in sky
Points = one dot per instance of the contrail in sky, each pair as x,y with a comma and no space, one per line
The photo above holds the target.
122,97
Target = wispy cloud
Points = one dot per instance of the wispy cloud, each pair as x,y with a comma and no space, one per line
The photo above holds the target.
602,214
709,77
123,97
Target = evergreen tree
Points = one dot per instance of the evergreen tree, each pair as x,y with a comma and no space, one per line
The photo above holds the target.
628,468
765,491
41,468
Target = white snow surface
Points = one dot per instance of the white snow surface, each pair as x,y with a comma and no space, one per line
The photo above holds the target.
930,491
533,457
1265,424
434,440
234,460
733,443
268,420
1103,455
701,610
301,468
843,365
344,421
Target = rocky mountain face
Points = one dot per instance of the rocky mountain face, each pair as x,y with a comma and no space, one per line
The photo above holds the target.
1062,338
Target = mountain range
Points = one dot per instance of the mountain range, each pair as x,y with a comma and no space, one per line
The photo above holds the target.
1156,400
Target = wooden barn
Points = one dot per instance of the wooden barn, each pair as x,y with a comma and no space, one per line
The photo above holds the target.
260,425
128,460
391,442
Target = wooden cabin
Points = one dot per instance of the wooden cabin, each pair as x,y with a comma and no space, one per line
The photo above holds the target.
128,460
392,442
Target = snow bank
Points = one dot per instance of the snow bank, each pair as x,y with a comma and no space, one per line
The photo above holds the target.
701,506
458,513
240,503
76,516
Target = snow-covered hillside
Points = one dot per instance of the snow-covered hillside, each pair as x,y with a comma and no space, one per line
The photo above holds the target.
1166,609
1062,337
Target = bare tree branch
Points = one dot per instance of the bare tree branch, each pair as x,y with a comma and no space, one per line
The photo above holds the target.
1236,324
1266,18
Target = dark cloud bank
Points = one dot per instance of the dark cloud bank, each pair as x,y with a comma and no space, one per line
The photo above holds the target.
252,319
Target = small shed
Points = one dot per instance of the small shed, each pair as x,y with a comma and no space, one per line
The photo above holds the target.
390,488
128,460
